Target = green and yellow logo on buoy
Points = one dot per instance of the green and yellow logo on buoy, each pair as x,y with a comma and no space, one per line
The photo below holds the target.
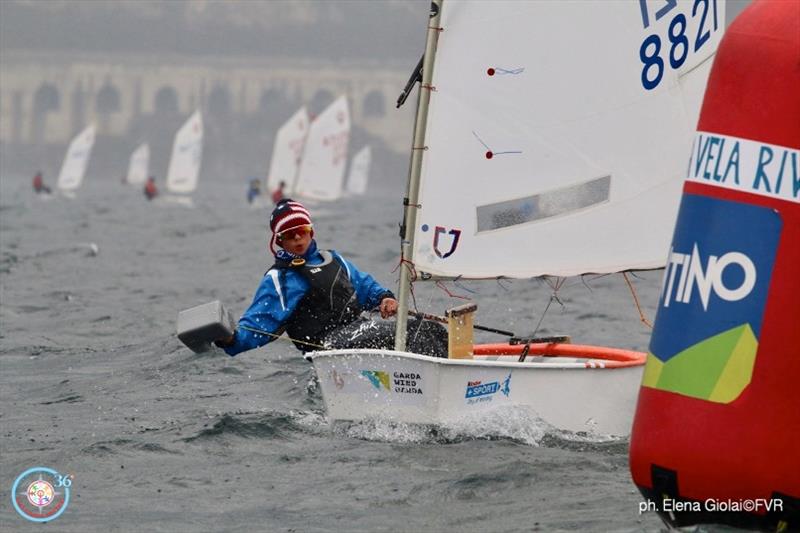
713,298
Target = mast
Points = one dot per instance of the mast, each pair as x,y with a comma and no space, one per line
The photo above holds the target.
412,192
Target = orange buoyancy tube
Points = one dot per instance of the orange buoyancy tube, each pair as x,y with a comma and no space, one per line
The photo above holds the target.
716,436
596,356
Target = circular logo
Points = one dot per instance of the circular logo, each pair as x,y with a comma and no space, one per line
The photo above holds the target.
41,494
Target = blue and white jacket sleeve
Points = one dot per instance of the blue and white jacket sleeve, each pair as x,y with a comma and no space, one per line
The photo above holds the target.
272,305
369,292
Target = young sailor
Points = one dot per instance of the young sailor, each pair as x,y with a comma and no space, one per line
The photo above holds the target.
150,189
277,194
254,190
38,184
308,293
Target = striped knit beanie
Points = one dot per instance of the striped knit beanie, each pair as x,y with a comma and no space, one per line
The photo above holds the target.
287,214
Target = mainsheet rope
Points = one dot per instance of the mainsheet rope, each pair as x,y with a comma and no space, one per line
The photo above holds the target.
281,337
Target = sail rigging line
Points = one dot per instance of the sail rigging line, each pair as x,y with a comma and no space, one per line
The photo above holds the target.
413,296
491,71
499,281
282,337
409,265
555,286
444,320
413,276
586,284
444,289
552,298
592,277
632,289
491,153
462,287
636,301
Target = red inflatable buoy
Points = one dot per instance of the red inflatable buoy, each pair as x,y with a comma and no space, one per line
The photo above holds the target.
716,436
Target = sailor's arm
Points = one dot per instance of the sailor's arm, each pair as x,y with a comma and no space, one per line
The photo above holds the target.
263,320
370,293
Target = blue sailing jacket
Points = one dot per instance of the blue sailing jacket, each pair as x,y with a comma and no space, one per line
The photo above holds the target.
280,292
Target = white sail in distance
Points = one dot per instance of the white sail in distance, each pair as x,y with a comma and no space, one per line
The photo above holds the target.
321,173
557,142
139,165
187,154
358,177
76,160
287,151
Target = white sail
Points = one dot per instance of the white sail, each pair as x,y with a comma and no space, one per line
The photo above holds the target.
358,177
187,153
558,135
76,160
287,151
321,173
138,167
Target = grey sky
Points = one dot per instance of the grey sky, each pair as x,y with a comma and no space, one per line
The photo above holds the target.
368,30
350,29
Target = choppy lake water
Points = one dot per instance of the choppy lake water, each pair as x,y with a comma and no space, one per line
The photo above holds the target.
95,383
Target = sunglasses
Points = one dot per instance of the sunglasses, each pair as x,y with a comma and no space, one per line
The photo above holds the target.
290,234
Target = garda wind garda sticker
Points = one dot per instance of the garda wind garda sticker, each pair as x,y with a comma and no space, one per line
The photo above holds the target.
41,494
712,299
378,378
398,382
747,166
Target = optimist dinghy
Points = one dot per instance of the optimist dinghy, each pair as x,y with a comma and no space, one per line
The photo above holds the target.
73,169
320,176
576,388
139,165
552,135
184,163
287,152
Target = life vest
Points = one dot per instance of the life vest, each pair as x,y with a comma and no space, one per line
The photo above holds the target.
150,190
329,303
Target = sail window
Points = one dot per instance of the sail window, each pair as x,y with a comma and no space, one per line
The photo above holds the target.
544,205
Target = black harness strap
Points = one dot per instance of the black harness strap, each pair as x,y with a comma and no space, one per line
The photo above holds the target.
329,303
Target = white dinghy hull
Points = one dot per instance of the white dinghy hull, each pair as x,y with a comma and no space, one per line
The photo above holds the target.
404,387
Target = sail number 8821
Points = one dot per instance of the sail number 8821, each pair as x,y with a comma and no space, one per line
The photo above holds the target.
678,46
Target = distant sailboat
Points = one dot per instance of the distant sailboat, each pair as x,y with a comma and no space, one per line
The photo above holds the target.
321,173
139,165
358,177
75,162
184,165
287,151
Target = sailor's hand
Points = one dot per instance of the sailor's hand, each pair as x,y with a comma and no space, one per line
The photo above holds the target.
224,342
388,307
